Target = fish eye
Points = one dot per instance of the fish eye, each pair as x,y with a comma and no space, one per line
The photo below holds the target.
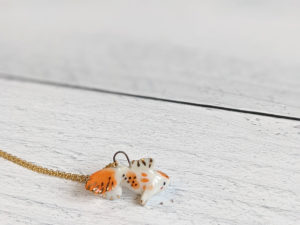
164,183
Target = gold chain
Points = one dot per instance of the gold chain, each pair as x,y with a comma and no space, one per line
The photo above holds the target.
39,169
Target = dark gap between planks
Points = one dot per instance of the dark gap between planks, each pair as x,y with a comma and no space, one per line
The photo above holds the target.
78,87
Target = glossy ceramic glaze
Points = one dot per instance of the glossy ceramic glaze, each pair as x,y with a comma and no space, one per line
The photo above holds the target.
139,177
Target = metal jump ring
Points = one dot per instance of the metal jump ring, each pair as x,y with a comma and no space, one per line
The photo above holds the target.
114,158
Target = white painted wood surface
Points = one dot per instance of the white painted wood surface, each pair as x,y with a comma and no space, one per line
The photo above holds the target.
226,168
241,55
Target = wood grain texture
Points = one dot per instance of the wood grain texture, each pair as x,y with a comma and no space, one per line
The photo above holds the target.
226,168
243,56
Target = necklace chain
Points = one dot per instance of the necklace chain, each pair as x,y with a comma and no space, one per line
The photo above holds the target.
39,169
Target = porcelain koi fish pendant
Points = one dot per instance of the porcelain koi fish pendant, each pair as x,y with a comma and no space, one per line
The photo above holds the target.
139,177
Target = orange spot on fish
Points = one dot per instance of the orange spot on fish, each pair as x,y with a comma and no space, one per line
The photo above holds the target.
144,180
131,177
150,187
144,187
163,174
144,174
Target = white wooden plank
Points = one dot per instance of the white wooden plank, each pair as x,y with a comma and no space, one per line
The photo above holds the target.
226,168
235,55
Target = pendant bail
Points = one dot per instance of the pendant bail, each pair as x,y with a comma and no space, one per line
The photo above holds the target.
114,158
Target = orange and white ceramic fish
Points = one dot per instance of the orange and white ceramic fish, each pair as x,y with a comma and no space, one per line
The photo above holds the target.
139,177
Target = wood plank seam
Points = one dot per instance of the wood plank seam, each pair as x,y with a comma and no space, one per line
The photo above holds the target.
5,76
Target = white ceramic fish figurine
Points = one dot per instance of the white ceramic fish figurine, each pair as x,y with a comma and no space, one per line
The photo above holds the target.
139,177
